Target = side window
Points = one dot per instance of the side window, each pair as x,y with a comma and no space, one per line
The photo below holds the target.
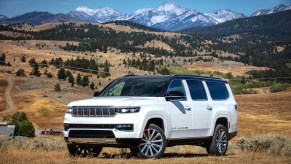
197,90
176,88
218,91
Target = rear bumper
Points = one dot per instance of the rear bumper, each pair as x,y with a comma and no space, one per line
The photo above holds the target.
232,135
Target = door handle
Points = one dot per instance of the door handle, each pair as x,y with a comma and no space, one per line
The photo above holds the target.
209,107
187,108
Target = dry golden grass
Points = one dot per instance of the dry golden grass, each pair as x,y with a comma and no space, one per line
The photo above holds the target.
264,113
50,115
228,66
115,156
158,44
3,85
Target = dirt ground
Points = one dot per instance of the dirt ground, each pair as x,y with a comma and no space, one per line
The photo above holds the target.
115,156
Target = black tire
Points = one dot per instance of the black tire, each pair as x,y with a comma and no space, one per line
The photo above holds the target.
153,143
83,151
219,144
134,151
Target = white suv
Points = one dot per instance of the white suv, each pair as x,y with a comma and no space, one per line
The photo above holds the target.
149,113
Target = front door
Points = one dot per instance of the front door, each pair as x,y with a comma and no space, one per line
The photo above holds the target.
179,110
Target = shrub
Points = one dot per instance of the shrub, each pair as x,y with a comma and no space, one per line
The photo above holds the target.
23,59
25,128
49,75
58,87
20,72
279,87
271,144
92,85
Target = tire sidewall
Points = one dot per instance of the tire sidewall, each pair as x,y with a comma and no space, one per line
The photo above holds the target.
213,150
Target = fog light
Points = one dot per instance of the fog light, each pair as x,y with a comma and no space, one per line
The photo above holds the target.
124,127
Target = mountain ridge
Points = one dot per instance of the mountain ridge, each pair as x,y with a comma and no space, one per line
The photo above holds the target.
167,16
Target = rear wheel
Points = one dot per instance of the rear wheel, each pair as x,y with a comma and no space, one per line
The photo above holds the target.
82,151
153,143
219,143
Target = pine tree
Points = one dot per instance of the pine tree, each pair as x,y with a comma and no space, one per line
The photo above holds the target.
62,74
79,79
23,59
2,59
58,87
71,80
49,75
68,74
35,70
92,85
85,81
106,69
32,61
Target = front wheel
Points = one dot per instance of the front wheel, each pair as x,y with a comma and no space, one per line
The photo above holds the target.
153,143
219,143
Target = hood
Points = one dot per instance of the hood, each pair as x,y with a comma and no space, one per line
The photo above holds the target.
110,101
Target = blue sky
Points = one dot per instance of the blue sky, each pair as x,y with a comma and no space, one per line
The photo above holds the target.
12,8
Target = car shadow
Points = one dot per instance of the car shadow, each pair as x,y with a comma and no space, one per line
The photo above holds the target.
166,155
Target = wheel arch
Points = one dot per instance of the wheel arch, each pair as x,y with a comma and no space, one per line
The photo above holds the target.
157,121
223,120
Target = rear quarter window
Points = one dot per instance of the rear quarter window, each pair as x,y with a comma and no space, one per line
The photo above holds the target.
218,91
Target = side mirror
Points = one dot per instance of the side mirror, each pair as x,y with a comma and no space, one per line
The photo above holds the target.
96,94
175,95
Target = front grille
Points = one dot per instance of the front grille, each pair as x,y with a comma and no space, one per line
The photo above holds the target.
95,111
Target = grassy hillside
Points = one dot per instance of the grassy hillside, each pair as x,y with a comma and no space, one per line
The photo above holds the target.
264,40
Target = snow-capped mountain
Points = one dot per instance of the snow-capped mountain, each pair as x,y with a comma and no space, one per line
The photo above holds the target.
275,9
99,15
152,16
223,15
3,17
167,16
170,16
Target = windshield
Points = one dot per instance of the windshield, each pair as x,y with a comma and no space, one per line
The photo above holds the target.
136,87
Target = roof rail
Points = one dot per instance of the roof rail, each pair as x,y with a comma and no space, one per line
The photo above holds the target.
188,75
128,75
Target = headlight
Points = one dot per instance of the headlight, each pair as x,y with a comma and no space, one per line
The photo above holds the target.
127,109
69,110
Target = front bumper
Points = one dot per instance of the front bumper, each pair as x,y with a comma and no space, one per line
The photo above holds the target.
112,142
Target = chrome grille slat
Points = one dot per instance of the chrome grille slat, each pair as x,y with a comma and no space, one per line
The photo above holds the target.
95,111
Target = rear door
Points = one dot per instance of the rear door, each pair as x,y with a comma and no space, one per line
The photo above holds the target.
201,108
